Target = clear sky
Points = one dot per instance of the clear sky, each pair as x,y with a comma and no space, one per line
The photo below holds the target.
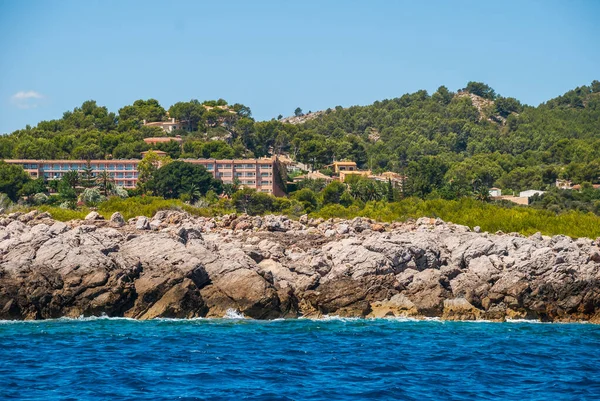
276,55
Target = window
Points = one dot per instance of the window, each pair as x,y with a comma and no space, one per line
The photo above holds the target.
265,174
226,174
56,167
265,166
249,182
238,174
250,174
265,182
219,166
210,166
120,167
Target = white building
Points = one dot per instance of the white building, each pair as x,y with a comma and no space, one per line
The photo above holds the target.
530,192
495,192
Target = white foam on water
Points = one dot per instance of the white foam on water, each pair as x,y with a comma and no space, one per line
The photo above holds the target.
233,314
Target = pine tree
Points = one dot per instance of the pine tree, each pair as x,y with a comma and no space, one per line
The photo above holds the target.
390,191
88,178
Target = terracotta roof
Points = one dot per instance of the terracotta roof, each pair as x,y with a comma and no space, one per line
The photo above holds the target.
162,139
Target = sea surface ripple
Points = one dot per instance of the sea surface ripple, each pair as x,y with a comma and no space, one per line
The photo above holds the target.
333,359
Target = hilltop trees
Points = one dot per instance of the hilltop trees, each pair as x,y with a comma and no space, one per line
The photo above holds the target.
481,89
149,110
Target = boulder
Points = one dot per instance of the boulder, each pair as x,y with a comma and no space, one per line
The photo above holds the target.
92,216
117,219
142,223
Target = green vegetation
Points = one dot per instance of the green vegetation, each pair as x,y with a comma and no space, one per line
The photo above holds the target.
473,213
450,146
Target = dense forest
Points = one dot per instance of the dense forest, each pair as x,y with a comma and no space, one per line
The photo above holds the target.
448,144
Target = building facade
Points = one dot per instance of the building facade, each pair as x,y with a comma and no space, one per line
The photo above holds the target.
264,175
167,126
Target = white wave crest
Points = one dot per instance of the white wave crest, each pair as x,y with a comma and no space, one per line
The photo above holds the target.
233,314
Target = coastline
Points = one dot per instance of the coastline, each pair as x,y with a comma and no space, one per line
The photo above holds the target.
179,266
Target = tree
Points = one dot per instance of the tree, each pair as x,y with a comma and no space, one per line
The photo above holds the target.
298,112
424,175
190,113
12,179
333,192
149,110
148,166
88,178
105,182
390,191
507,105
247,200
481,89
177,178
33,187
307,198
91,197
71,179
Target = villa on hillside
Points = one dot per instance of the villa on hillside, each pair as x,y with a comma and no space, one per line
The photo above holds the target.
167,126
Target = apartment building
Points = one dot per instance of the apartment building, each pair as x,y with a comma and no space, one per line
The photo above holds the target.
263,174
123,172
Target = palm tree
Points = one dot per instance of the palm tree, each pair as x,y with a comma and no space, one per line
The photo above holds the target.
105,182
194,193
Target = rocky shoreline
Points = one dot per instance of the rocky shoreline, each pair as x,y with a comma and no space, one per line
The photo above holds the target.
180,266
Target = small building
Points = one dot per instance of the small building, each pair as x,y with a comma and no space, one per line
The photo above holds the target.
495,192
363,173
530,192
563,184
167,126
577,187
163,139
343,166
396,179
315,175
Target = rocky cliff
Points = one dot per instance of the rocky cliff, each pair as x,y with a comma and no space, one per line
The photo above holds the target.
179,266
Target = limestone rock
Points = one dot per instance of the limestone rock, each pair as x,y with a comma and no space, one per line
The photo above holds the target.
178,265
117,219
92,216
142,223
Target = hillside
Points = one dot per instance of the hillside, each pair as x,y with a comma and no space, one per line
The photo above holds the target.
447,143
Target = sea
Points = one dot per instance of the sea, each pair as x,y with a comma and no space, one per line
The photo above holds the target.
327,359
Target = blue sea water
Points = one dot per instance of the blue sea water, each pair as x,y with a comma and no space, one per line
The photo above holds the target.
334,359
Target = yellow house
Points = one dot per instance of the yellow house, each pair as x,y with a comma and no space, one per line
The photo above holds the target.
343,166
344,174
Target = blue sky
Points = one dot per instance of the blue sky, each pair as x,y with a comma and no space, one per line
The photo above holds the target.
274,56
